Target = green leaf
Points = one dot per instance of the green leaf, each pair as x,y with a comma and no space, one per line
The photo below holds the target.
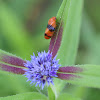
69,16
2,52
66,96
14,83
9,58
71,19
89,76
11,63
51,94
86,81
26,96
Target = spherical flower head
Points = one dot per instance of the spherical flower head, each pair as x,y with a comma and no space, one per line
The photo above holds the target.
41,69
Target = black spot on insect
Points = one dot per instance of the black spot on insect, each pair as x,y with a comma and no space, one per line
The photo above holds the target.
47,35
51,28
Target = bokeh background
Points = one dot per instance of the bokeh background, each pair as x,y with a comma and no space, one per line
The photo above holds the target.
22,27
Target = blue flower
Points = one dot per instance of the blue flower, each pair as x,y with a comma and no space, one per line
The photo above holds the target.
41,69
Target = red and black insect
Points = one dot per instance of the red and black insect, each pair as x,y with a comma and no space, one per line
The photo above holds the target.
50,28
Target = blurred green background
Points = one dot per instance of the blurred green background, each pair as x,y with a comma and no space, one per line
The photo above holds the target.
22,27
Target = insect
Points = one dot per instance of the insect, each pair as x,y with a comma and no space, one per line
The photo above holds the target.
50,28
